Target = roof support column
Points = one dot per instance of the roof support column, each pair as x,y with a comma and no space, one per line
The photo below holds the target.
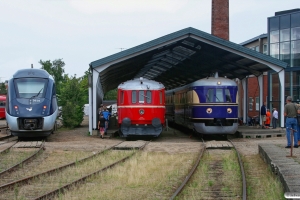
282,100
260,83
93,102
281,74
245,113
90,103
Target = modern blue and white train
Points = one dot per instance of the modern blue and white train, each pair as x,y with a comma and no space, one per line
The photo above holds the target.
31,107
208,106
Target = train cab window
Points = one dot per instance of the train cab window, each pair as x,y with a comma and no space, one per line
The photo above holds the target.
227,96
148,96
141,96
30,87
210,95
133,97
219,95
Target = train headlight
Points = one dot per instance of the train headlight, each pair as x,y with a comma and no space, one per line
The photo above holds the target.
141,111
209,110
229,110
17,109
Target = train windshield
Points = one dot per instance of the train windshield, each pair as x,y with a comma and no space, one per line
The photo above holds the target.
30,87
142,96
218,95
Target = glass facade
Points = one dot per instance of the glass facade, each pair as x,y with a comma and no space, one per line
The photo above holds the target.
284,44
284,38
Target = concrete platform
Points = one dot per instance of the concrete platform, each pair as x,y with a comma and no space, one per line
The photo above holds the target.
258,132
285,167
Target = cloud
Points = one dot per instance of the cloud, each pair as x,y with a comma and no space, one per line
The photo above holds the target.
126,6
16,64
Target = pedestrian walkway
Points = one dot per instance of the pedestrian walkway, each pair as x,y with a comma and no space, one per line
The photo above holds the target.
284,163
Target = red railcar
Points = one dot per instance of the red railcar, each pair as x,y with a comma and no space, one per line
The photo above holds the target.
2,106
141,108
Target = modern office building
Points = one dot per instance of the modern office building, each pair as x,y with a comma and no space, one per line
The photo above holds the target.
282,42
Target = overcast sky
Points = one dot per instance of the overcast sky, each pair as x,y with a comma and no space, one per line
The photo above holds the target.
82,31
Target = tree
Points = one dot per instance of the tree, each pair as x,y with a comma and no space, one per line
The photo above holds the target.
72,100
3,89
85,86
56,69
111,95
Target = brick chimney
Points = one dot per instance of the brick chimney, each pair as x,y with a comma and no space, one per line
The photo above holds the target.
220,19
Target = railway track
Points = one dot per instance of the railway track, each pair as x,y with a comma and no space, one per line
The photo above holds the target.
4,132
212,184
7,138
47,185
15,155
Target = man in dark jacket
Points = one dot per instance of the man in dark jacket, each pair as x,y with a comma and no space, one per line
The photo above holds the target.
263,112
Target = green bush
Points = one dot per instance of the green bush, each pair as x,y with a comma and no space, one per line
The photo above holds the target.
72,100
72,115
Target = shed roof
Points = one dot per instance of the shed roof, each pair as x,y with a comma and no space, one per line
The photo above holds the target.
180,58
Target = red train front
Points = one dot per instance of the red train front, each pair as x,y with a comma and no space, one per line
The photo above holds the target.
141,108
2,106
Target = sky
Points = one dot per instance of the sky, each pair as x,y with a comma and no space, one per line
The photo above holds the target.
82,31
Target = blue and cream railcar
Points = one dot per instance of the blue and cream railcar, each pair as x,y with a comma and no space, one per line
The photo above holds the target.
208,106
31,108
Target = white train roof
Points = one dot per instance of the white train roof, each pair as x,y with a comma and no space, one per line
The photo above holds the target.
212,81
141,84
209,81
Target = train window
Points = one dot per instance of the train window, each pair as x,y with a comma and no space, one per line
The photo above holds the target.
133,97
160,97
210,95
227,95
122,97
219,95
148,96
30,87
141,96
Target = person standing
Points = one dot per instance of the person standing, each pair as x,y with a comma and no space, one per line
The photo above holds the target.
290,112
298,125
101,125
106,115
263,113
274,118
268,119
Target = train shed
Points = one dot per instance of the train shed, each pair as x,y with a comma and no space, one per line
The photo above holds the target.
177,59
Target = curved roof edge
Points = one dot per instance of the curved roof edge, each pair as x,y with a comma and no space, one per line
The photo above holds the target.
180,33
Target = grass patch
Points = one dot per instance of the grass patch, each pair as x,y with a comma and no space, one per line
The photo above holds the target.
261,183
147,175
47,183
218,171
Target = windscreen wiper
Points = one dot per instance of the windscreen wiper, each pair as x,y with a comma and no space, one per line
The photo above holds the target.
145,96
37,94
217,98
